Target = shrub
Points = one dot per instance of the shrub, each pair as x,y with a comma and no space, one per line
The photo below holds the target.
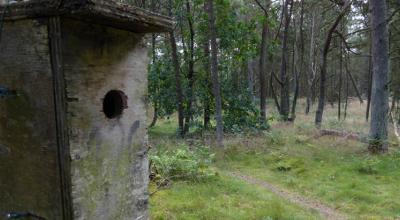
182,164
242,115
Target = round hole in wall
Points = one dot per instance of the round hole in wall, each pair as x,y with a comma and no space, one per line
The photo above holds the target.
114,103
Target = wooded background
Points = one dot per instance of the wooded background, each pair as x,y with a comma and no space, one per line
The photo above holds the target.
234,61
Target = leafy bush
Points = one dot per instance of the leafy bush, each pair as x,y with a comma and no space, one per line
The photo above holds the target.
240,114
182,164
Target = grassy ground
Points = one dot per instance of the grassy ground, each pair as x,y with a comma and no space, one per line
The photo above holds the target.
334,170
222,198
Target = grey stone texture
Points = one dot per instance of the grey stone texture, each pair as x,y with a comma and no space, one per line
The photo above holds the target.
109,162
29,178
60,156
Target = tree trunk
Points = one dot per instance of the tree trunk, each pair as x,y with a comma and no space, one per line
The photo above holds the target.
153,54
369,82
190,76
353,82
175,61
214,72
263,70
273,93
207,101
340,80
322,83
206,115
284,77
250,79
311,70
347,95
380,95
297,73
294,73
263,59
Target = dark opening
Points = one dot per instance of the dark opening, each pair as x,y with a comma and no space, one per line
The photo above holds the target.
114,103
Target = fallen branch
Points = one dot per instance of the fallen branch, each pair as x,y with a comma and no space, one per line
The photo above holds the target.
336,133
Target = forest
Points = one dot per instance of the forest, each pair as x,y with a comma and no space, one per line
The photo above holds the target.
285,109
225,60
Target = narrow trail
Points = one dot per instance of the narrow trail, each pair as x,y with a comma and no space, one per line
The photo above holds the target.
324,211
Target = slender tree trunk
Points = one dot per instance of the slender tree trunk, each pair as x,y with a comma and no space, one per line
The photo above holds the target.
190,76
301,30
186,99
296,95
353,82
298,73
278,107
175,61
311,70
294,73
206,115
322,83
250,79
347,95
369,82
263,63
340,79
278,33
207,101
214,72
284,77
153,53
380,95
178,88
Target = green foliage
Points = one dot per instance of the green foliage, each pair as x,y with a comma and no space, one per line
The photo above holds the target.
239,36
240,114
182,163
162,84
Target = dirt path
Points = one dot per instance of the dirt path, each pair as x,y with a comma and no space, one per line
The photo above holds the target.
325,211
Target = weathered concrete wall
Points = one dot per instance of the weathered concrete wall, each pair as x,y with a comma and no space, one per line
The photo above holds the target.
29,178
109,156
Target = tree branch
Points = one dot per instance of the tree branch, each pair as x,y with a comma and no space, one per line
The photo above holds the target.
262,7
338,2
277,79
348,48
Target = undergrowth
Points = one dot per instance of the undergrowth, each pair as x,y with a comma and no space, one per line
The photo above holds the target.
183,163
336,171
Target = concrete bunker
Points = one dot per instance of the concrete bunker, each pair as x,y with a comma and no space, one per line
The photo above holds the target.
73,140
